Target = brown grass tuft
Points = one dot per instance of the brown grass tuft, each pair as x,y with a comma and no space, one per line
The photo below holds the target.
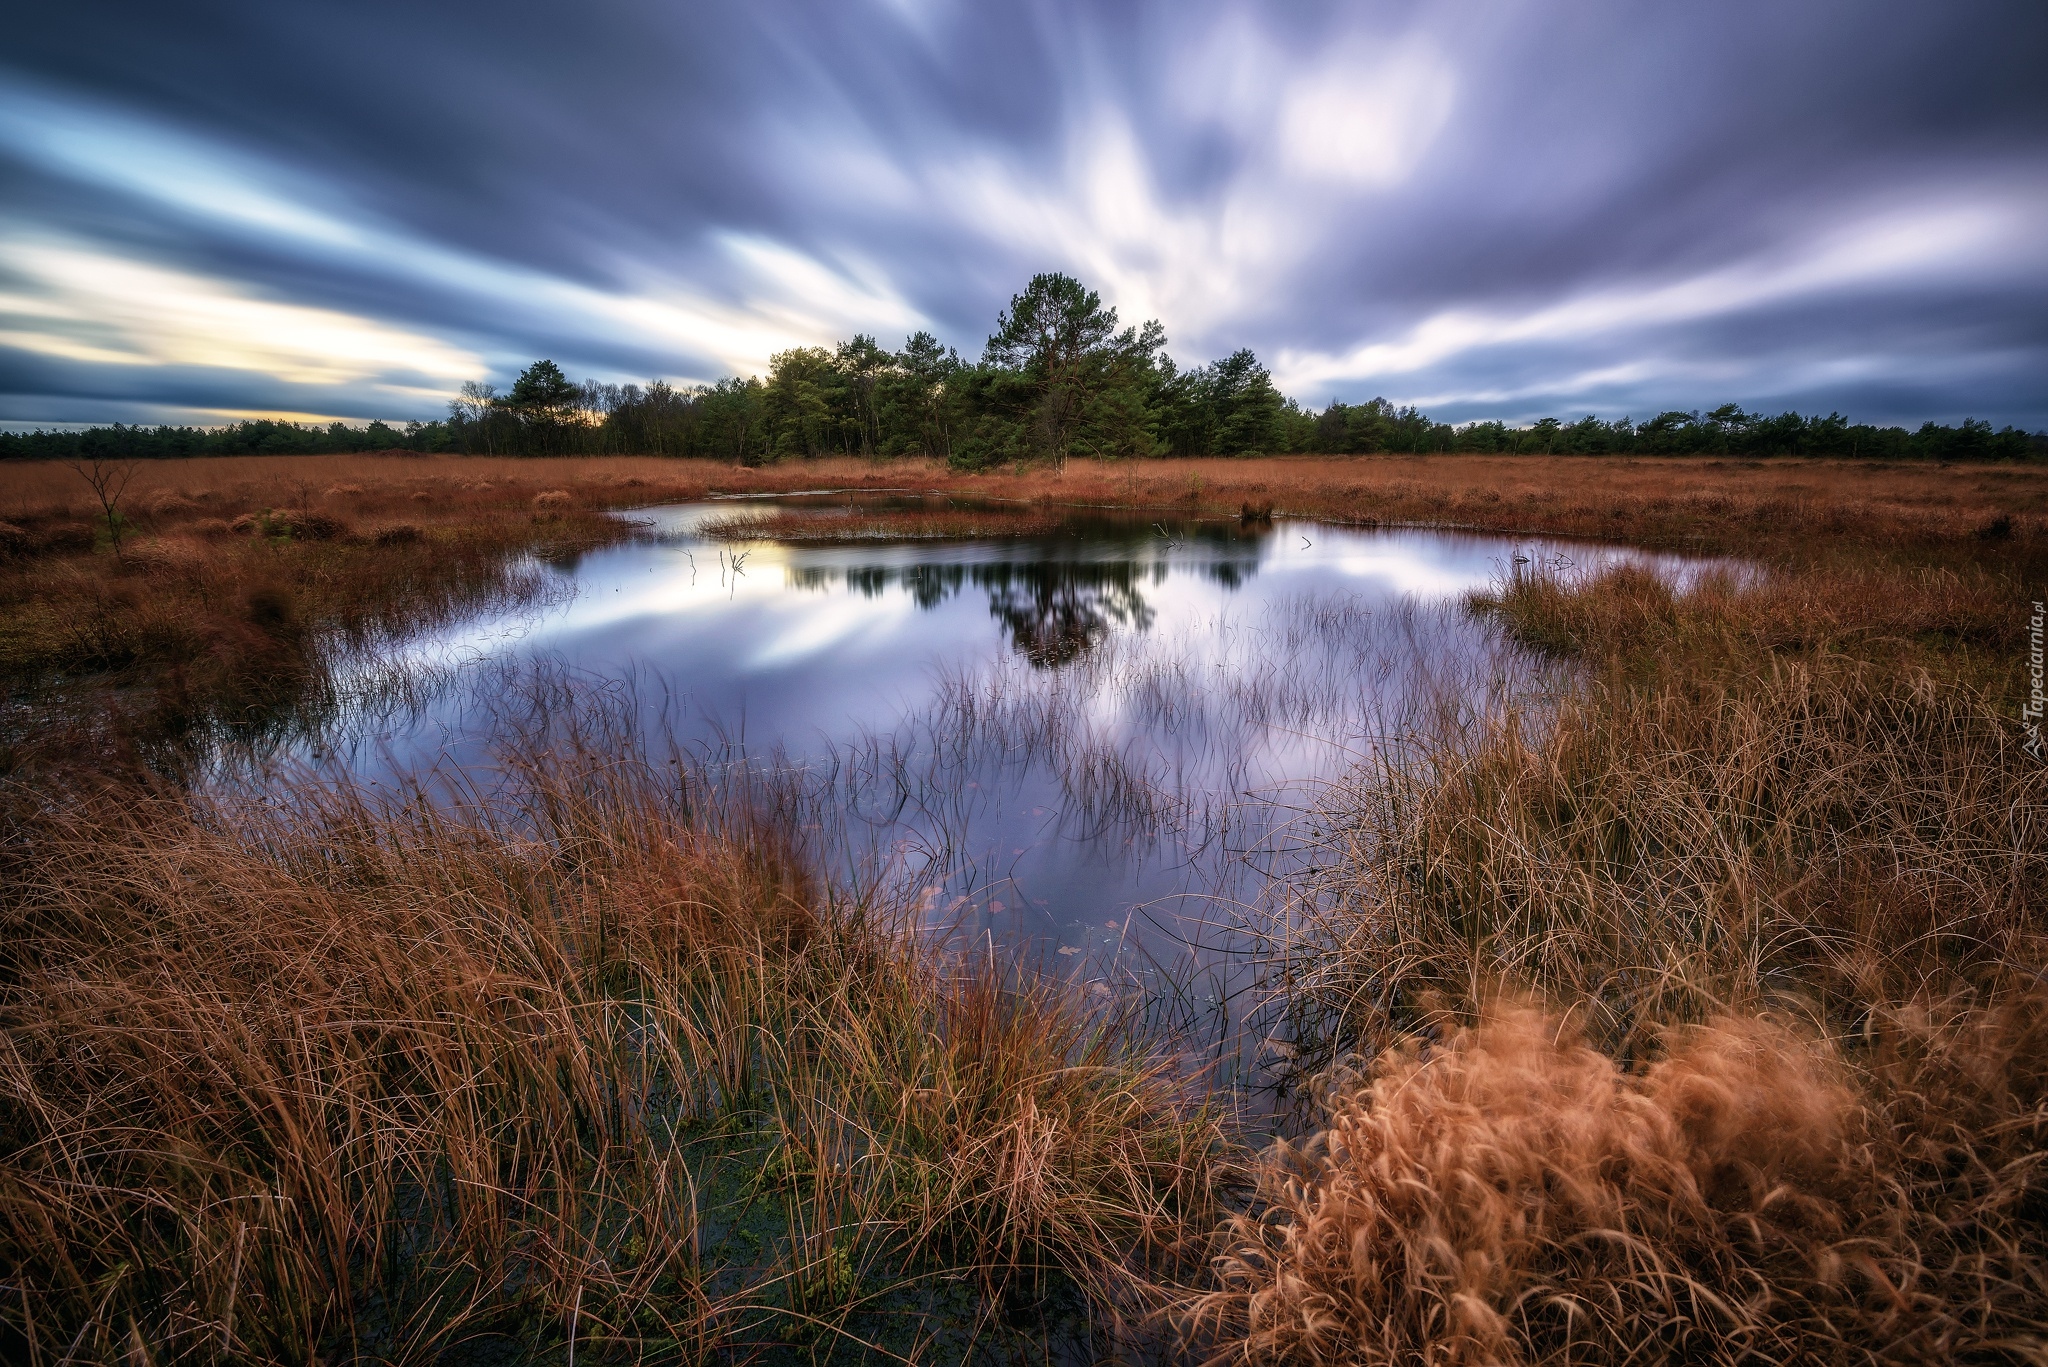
182,556
1513,1196
166,503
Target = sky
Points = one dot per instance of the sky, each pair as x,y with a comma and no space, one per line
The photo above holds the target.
1497,209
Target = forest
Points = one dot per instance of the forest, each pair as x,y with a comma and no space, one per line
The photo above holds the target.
1057,378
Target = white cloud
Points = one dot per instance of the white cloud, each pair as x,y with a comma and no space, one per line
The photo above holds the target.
81,303
1313,134
1107,221
1366,119
784,298
141,159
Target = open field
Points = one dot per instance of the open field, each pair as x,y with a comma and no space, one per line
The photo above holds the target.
1697,1014
1744,505
361,542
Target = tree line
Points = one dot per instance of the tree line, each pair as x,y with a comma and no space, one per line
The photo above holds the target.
1058,378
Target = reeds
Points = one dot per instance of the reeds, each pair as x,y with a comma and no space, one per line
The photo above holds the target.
332,1073
1772,869
1710,819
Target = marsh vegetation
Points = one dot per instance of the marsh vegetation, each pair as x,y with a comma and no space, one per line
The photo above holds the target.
1665,985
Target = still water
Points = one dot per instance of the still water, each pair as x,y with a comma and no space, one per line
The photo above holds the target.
1093,744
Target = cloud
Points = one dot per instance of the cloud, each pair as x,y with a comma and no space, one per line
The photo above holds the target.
78,303
1366,119
91,305
1965,234
1323,131
1484,204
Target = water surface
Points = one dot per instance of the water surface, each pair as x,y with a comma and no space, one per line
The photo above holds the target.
1090,742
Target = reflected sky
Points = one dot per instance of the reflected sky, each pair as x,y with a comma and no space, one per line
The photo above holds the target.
1090,740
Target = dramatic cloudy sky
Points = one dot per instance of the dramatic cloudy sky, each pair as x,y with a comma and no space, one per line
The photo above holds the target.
1496,208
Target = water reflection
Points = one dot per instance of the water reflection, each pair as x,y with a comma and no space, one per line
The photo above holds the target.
1092,742
1051,608
1054,612
1051,611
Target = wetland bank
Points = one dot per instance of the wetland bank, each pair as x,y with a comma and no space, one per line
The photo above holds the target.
1636,941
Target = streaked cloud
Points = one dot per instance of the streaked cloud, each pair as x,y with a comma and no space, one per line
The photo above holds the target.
1966,233
1491,209
83,304
1365,119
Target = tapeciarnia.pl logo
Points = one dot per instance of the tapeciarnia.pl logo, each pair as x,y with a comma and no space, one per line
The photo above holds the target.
2036,699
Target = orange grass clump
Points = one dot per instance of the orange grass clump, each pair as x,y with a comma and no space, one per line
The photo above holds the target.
1513,1196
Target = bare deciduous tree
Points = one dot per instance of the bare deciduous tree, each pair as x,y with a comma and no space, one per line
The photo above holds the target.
479,400
108,480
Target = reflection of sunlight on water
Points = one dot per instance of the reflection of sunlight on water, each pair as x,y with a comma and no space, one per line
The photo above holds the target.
792,636
1095,744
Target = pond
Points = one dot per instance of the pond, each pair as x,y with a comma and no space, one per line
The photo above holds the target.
1089,739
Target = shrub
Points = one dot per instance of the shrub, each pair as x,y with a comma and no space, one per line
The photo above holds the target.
169,503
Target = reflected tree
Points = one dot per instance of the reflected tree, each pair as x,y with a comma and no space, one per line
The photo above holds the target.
1054,613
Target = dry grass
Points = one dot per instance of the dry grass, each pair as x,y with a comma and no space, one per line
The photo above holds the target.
1513,1196
233,582
353,1077
343,1075
1777,858
848,526
1738,506
1729,810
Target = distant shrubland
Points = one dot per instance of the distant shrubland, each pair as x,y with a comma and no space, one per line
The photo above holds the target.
1058,378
